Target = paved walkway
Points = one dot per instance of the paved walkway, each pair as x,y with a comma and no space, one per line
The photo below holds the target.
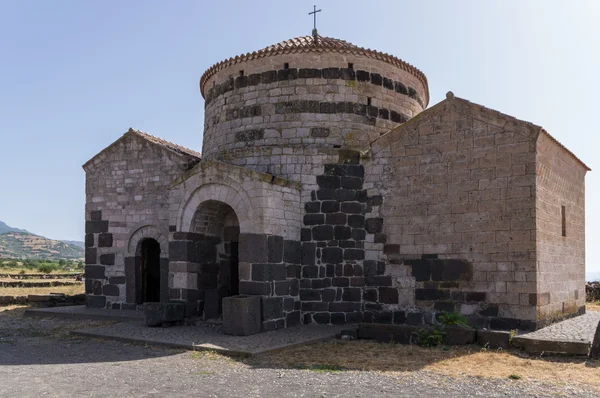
572,336
83,312
211,337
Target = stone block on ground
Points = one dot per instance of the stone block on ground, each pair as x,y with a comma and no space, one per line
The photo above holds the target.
595,350
242,315
493,338
158,313
456,335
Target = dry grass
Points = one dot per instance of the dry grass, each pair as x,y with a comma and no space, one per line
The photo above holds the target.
593,306
37,280
24,291
454,361
27,271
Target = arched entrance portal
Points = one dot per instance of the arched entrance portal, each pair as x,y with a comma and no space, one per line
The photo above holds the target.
150,275
218,223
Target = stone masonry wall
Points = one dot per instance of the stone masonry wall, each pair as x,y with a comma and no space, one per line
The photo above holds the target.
126,189
458,210
560,259
261,114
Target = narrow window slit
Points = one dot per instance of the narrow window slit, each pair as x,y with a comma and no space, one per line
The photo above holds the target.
242,72
350,65
286,66
369,101
563,214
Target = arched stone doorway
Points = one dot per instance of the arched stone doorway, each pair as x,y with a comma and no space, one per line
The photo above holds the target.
218,223
150,271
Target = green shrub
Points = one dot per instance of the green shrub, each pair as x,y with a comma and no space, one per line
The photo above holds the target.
46,268
453,319
430,337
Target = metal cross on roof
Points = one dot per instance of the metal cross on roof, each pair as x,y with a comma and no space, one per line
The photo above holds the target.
314,14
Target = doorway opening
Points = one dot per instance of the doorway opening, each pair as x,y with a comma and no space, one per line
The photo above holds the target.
150,271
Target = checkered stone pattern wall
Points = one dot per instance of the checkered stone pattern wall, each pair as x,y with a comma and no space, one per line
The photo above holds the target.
458,210
126,191
560,259
264,112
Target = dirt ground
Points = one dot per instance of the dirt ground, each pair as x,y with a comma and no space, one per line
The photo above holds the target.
38,357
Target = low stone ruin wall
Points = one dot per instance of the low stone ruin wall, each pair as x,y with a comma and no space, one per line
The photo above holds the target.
37,284
592,291
44,300
42,276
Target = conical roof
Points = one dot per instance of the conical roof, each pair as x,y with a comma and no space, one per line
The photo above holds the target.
316,43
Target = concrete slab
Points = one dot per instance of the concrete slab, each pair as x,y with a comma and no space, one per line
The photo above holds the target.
573,336
83,312
211,337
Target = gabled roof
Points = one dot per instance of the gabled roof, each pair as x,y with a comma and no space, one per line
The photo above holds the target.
178,149
315,43
384,140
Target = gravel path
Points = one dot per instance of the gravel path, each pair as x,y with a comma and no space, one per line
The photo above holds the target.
38,359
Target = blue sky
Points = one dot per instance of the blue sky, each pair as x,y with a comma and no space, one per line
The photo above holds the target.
75,75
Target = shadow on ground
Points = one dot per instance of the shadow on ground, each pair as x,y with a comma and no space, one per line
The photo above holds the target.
42,341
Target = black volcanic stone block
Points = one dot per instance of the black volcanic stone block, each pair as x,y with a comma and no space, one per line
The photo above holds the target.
373,225
351,207
490,310
376,79
352,294
327,181
332,255
370,267
342,232
415,318
90,255
358,234
431,294
351,182
305,234
313,306
444,306
310,271
344,306
322,232
292,251
314,219
370,295
95,301
399,317
356,221
331,73
107,259
388,295
344,195
268,272
400,88
330,206
354,254
282,288
421,270
475,296
326,194
380,280
94,272
335,169
96,215
309,250
105,240
292,319
287,74
340,282
335,218
96,227
268,77
110,290
309,73
272,308
255,288
328,295
89,240
275,248
310,295
322,318
363,76
347,74
253,248
312,207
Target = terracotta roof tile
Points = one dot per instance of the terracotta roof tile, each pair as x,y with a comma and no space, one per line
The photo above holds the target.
316,44
166,144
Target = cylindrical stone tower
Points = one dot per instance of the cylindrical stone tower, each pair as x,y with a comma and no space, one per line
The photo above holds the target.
303,96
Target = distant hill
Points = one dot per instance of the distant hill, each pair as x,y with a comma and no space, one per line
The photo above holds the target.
75,243
5,228
27,245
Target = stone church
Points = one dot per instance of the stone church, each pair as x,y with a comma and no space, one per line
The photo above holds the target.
328,187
